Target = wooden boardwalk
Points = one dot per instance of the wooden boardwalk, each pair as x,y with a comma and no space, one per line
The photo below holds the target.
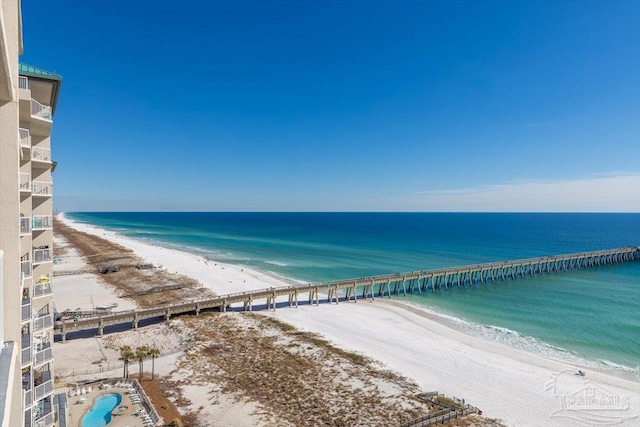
365,287
448,411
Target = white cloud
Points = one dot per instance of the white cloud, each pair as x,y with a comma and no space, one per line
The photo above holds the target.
615,192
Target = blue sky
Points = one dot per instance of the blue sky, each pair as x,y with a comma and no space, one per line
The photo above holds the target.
342,105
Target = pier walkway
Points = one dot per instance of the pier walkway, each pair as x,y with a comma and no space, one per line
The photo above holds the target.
364,287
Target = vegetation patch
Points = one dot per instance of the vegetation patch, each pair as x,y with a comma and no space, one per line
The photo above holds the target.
295,378
147,287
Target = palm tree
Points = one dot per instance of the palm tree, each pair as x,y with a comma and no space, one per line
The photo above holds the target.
126,355
140,355
153,352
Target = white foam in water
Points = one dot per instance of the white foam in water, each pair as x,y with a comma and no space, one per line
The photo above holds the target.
285,278
279,264
513,339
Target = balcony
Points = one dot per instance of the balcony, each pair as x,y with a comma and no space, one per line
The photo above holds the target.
42,188
27,389
25,138
42,255
43,383
25,181
40,111
42,289
43,415
25,310
26,269
39,154
25,225
43,322
26,349
42,222
43,354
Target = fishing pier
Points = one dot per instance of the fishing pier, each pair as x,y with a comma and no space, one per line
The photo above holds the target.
414,282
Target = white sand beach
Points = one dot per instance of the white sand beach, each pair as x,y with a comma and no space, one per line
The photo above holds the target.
520,388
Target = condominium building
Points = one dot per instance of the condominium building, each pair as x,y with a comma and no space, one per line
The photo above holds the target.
38,95
28,97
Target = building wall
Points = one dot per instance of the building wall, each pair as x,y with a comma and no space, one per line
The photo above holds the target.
10,46
18,207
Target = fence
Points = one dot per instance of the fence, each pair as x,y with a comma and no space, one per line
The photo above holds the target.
113,367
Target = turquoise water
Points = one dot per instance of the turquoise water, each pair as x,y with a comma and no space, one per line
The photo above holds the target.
589,316
100,413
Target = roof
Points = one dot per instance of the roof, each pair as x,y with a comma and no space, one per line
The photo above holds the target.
30,70
39,74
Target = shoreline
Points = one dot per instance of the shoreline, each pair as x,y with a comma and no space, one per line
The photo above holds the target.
428,349
452,321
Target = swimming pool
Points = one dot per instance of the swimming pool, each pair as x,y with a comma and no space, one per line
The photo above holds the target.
100,413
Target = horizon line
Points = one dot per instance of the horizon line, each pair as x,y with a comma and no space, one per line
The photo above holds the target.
332,211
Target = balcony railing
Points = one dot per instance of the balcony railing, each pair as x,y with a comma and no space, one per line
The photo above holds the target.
25,138
25,181
42,255
42,222
43,414
26,381
43,353
28,396
41,188
46,419
42,289
25,310
26,349
25,225
25,88
26,269
42,322
40,154
40,111
28,418
44,385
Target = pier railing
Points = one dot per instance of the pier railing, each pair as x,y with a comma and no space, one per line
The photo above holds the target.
365,287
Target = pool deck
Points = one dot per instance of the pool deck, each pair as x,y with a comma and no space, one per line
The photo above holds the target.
80,404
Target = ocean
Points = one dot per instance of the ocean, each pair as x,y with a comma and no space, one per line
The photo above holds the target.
586,316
